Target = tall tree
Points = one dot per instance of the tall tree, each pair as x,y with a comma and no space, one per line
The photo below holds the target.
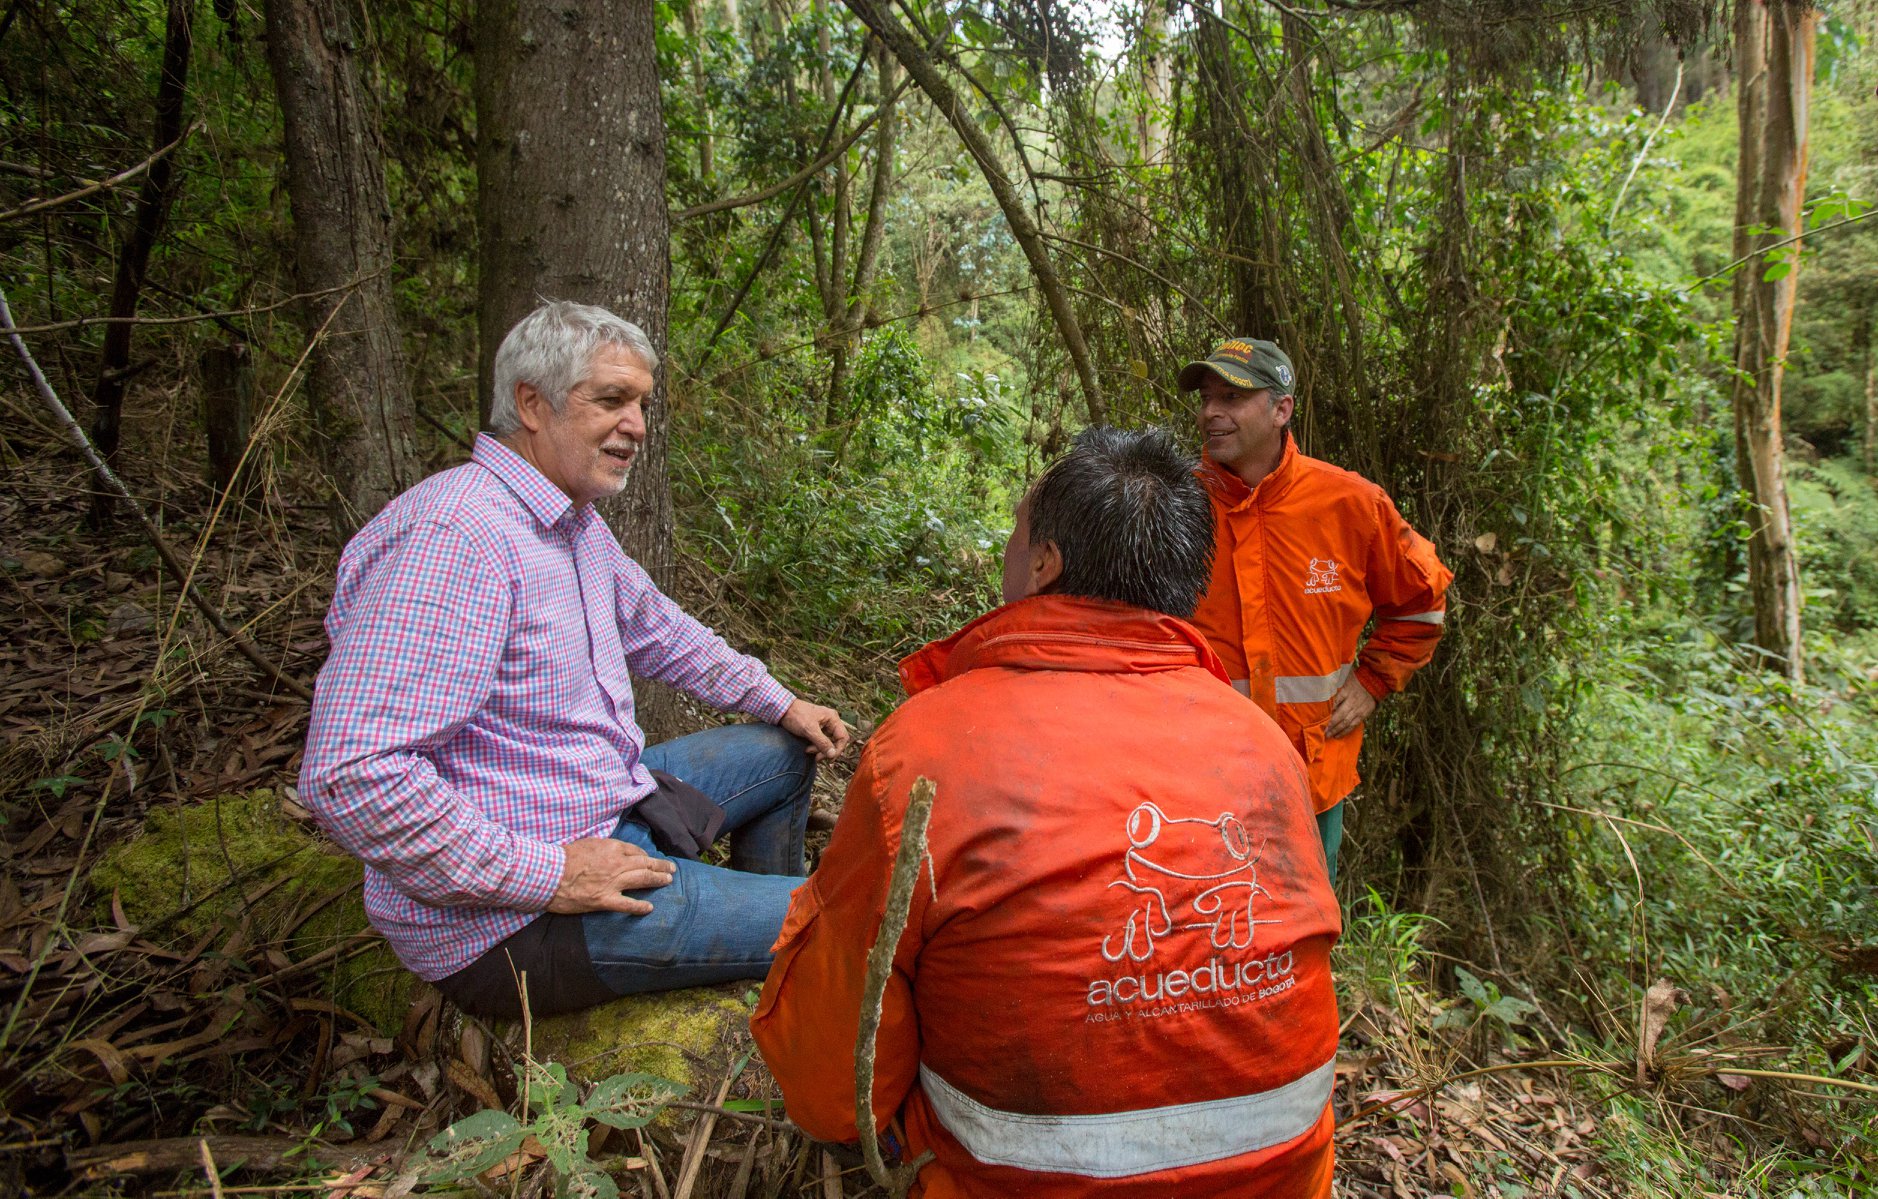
571,206
153,203
1774,77
343,253
914,54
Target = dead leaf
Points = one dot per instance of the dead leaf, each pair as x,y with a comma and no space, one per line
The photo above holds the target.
1659,1003
474,1085
1486,541
42,564
1734,1082
107,1055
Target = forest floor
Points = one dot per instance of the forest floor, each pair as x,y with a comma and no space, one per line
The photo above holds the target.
134,1063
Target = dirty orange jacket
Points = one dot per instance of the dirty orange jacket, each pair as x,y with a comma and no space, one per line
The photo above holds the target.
1115,976
1301,563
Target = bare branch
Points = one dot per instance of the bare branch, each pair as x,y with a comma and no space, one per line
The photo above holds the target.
92,189
907,864
806,173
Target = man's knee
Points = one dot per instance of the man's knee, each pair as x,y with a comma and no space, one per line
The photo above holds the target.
788,751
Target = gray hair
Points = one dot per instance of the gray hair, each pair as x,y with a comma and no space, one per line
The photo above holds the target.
550,350
1129,517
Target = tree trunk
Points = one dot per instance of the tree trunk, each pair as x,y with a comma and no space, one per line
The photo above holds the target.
1155,58
571,206
919,64
1774,73
357,373
153,202
227,372
853,316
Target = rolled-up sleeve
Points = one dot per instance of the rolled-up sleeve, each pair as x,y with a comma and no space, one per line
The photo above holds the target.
413,662
663,642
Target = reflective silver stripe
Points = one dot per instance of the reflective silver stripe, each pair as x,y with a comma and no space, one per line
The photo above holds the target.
1311,688
1120,1144
1423,617
1243,687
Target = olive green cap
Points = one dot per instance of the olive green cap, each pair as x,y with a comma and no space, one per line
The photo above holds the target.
1247,362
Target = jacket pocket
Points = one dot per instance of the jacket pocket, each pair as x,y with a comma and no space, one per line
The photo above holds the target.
805,907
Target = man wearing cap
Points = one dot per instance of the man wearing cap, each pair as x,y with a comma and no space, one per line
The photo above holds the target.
1305,556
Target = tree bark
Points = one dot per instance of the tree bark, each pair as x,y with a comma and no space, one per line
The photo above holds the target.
924,72
227,372
1774,73
343,239
153,203
571,206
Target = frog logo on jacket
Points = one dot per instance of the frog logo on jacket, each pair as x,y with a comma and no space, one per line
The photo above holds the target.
1321,577
1192,889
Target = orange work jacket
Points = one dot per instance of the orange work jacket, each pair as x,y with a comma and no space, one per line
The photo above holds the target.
1115,977
1301,563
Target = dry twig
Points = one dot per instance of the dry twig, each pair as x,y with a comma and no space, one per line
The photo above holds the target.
906,870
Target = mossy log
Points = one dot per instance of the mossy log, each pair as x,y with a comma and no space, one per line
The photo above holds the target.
238,859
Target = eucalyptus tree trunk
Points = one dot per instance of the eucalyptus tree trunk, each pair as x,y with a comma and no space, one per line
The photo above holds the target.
571,206
344,254
1773,73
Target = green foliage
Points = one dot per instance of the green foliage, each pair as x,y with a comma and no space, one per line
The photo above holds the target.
556,1120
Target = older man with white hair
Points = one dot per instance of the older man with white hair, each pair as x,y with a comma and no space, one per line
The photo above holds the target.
473,737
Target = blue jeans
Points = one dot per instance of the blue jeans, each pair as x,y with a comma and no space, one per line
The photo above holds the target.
710,924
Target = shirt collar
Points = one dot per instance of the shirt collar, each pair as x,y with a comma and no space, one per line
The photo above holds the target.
1231,490
548,503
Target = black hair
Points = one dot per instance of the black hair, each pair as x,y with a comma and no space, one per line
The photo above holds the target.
1129,517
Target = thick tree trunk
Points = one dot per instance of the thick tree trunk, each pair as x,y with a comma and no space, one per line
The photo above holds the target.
571,206
358,375
1774,73
153,203
913,55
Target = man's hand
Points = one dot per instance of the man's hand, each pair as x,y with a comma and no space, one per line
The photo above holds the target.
821,727
1349,708
600,869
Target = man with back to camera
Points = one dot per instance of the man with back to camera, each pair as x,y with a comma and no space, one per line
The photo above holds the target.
1115,976
1306,555
473,735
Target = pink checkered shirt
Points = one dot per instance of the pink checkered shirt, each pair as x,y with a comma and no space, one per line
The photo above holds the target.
476,711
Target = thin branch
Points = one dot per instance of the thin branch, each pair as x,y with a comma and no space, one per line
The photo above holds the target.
82,443
782,226
1644,149
907,865
124,176
802,176
1151,273
85,322
1851,220
913,314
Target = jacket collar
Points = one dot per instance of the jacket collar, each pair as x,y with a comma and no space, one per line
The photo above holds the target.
1056,632
1232,493
546,502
